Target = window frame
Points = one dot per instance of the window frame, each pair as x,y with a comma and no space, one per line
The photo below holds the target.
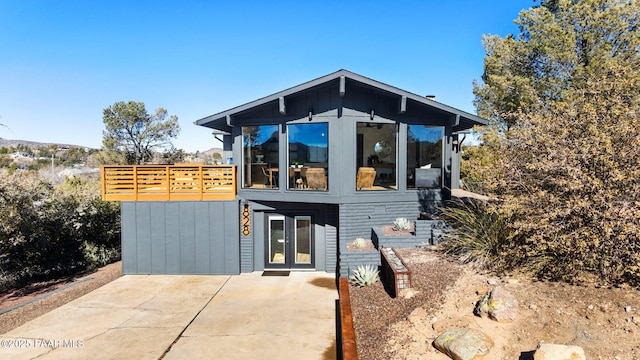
370,162
441,160
274,183
298,183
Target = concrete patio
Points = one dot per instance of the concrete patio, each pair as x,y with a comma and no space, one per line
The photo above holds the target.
247,316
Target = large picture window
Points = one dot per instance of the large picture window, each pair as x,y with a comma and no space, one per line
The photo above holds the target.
376,156
260,164
424,156
308,146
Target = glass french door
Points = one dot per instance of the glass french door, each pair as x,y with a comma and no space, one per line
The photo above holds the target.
289,242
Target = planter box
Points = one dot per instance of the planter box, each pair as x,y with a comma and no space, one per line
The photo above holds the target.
395,274
426,233
430,229
398,241
350,260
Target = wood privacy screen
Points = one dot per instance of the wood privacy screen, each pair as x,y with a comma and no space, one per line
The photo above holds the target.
168,182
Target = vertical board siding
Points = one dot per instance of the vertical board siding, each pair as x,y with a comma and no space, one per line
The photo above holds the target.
231,212
172,238
202,237
128,231
143,238
186,237
158,243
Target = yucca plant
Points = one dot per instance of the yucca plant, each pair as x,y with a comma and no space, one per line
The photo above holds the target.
364,275
477,234
400,224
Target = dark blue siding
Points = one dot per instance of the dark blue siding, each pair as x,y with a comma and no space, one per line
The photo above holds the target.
180,237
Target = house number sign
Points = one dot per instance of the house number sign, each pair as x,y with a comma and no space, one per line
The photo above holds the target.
246,220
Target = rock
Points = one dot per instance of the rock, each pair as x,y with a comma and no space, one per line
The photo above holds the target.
417,314
437,326
482,290
463,344
408,293
499,305
559,352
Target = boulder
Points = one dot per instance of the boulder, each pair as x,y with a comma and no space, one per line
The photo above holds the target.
463,344
499,305
559,352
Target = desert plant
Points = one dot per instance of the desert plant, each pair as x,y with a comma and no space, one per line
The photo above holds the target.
478,233
364,275
400,224
359,242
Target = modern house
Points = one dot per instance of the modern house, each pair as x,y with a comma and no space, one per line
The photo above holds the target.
309,169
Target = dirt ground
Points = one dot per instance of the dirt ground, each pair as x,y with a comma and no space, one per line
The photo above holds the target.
603,320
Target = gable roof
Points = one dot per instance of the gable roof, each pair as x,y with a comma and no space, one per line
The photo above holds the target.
221,122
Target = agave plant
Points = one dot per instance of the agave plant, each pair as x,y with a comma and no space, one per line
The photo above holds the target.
364,275
401,224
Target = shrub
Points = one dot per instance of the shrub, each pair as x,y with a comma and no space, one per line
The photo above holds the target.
478,233
47,232
400,224
97,222
564,156
359,242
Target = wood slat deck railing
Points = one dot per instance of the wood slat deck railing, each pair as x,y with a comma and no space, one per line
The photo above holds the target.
168,182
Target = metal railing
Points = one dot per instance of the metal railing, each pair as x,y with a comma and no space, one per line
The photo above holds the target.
168,182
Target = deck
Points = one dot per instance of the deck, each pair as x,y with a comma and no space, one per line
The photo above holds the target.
168,182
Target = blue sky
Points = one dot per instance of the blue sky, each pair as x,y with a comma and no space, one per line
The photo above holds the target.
63,62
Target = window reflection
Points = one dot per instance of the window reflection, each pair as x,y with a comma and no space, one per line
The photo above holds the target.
260,147
376,156
308,156
424,156
303,239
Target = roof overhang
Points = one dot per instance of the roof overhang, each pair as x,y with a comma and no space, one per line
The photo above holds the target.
223,121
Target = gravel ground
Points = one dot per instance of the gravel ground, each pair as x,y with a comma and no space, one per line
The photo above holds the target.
603,320
374,311
43,297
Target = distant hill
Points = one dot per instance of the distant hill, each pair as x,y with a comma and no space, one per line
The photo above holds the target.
14,143
212,151
8,143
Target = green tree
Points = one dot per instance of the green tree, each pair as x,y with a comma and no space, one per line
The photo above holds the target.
562,44
47,232
564,96
136,134
217,157
172,156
